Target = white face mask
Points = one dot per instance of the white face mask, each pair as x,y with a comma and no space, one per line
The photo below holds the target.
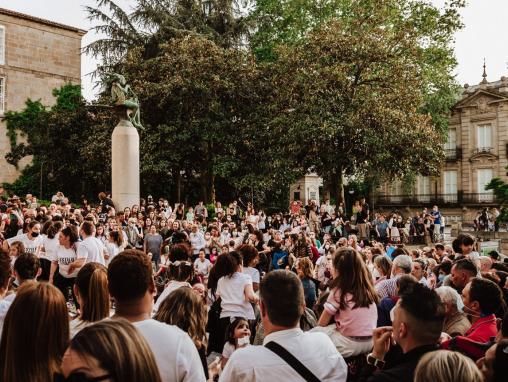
243,341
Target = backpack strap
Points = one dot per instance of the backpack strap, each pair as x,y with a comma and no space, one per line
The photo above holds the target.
292,361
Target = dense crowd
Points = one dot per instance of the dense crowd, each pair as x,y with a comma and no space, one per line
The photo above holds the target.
175,293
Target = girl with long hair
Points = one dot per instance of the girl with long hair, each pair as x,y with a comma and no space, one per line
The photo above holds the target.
91,291
35,334
351,304
65,260
185,309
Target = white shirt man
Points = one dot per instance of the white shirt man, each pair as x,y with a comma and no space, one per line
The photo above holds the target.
281,324
91,249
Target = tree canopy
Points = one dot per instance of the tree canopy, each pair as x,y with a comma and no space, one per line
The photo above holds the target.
242,97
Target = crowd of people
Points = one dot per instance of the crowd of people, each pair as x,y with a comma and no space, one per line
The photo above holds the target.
173,293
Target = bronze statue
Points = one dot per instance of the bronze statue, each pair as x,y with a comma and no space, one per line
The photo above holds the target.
123,96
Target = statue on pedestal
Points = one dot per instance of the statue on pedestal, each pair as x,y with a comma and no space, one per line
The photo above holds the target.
122,95
125,185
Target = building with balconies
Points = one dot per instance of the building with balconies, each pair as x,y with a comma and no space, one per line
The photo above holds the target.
476,151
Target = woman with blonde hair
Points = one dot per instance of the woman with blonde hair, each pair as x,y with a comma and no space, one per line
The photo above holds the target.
35,334
447,366
91,290
185,309
111,350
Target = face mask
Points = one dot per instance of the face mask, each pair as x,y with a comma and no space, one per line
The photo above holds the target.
470,312
243,341
441,278
35,234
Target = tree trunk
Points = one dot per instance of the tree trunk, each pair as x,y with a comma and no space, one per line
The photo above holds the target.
337,185
178,183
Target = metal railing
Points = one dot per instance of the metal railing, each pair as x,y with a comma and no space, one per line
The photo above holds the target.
480,150
453,154
458,198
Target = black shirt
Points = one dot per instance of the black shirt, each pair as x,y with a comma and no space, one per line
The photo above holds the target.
401,370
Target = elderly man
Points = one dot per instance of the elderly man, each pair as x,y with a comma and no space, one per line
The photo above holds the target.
402,265
456,322
485,263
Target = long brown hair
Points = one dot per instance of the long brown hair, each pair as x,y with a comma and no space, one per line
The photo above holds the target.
119,348
185,309
353,278
35,334
92,285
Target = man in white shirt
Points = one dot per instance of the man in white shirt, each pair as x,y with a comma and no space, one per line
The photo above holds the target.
91,249
132,286
282,304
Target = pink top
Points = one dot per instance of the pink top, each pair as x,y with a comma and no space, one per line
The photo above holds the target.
358,322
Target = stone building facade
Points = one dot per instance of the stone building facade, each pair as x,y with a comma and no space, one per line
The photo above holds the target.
36,56
476,151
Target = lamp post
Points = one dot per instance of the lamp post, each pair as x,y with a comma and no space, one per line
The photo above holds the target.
40,181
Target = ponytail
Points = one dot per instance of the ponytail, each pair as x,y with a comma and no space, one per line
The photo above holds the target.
92,284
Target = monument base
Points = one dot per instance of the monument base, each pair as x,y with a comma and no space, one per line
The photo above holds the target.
125,165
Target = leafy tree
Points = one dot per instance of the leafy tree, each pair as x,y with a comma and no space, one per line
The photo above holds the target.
500,190
204,104
349,99
69,145
287,26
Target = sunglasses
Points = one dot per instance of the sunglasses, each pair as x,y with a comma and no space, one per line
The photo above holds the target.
80,377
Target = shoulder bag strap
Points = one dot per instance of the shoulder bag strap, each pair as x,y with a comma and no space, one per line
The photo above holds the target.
291,360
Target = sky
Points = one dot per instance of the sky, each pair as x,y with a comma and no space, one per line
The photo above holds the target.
483,37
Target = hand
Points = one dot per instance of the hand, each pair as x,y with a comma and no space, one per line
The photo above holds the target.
71,269
382,338
444,337
214,369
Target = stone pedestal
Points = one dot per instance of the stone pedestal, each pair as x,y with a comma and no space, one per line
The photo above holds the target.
125,165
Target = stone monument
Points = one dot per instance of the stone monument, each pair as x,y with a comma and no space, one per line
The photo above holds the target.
124,143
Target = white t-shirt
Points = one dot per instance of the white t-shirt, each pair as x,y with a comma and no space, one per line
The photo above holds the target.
175,354
76,325
4,308
92,250
66,256
113,250
202,267
50,246
228,350
253,273
170,287
231,291
30,245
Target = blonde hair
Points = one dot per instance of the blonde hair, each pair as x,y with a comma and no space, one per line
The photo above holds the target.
446,366
305,264
185,309
119,348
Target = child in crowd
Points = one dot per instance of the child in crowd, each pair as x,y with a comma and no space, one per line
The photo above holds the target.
16,249
238,336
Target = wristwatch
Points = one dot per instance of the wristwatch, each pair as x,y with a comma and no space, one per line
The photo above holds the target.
371,360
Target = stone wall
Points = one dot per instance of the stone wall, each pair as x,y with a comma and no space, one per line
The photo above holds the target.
39,56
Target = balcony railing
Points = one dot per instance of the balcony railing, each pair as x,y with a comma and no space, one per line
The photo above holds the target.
453,154
483,150
458,198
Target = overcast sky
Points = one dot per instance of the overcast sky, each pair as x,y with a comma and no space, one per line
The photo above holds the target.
484,35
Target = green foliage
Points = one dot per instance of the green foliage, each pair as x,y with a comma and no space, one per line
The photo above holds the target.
500,190
69,144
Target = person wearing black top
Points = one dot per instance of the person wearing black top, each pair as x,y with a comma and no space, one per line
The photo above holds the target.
417,325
